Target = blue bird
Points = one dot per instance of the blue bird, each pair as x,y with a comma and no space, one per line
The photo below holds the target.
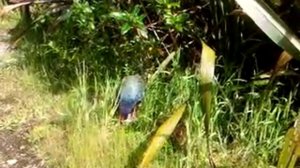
131,94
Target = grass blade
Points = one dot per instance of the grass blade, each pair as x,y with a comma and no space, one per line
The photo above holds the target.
161,135
162,66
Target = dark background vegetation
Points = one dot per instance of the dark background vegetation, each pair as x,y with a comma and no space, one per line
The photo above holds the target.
119,36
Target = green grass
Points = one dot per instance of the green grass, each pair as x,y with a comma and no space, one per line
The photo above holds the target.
78,129
86,134
23,99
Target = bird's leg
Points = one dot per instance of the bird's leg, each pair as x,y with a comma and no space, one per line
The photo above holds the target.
135,109
134,113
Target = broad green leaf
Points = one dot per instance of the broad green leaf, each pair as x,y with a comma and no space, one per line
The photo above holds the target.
161,135
136,10
125,28
118,15
271,24
206,76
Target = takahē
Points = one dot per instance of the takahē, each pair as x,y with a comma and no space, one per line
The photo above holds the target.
131,94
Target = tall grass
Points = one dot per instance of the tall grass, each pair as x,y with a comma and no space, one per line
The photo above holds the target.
86,134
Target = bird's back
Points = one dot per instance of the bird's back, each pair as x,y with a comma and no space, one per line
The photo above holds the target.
132,89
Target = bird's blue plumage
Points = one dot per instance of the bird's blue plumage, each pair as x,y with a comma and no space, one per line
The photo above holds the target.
131,93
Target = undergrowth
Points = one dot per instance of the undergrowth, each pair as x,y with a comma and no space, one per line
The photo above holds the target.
82,53
87,134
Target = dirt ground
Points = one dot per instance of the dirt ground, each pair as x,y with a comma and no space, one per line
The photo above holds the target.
15,150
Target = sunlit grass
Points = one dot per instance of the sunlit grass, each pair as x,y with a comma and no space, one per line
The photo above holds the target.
77,128
23,98
87,135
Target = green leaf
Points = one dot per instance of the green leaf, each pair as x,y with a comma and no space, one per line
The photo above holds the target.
125,28
173,5
136,10
117,15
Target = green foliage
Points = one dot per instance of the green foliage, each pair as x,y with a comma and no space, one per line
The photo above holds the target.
92,137
96,35
172,18
111,39
131,21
